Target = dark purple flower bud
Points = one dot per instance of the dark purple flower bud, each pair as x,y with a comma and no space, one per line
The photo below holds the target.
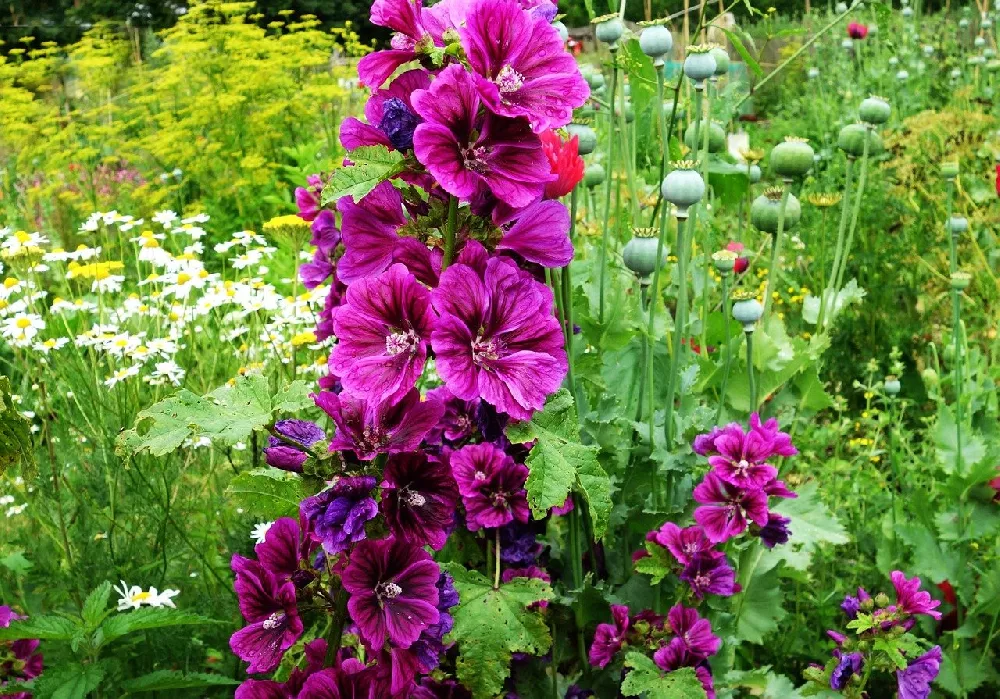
850,664
398,123
287,457
775,531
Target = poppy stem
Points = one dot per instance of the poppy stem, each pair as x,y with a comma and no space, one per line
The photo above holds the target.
450,231
607,190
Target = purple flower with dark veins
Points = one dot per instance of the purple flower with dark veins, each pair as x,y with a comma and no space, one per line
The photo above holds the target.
726,508
462,145
419,496
609,638
371,428
910,599
338,514
389,113
915,681
709,574
491,485
269,607
369,232
382,335
289,456
522,64
775,531
852,605
849,664
684,544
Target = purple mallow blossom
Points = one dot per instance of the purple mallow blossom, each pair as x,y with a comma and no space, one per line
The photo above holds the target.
521,64
776,530
370,428
491,485
393,591
419,496
848,665
339,513
852,605
609,638
269,606
24,662
726,509
369,229
741,457
539,233
307,198
496,337
910,599
694,641
710,574
290,455
315,653
914,682
462,145
391,120
382,335
683,544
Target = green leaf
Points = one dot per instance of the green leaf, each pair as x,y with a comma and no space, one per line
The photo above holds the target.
16,563
294,397
946,437
174,679
268,493
240,408
737,43
68,681
961,673
758,608
371,166
170,423
658,564
811,524
48,628
15,430
147,618
729,182
559,460
891,649
646,678
12,688
930,559
96,605
491,624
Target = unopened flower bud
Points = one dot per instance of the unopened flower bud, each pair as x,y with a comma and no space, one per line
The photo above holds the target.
868,603
892,385
930,377
610,29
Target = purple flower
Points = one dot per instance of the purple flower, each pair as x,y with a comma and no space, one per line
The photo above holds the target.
405,18
382,334
418,499
915,681
775,531
849,664
539,233
325,234
352,679
740,458
491,485
316,272
390,116
910,599
369,232
852,605
704,444
281,454
496,337
609,638
315,652
29,663
393,588
725,508
518,545
781,442
684,544
324,326
693,634
338,514
710,574
370,428
307,198
576,692
459,420
269,606
283,548
462,145
522,64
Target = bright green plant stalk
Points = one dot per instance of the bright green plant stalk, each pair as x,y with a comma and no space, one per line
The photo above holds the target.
892,470
750,377
567,293
744,212
839,252
772,272
628,154
859,195
606,221
729,348
680,322
450,231
707,237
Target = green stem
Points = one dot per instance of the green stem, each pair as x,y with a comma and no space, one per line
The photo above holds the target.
707,230
750,376
450,232
858,196
839,252
607,190
496,571
680,320
567,297
729,348
772,272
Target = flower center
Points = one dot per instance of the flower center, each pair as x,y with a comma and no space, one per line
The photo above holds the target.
474,158
388,590
690,547
479,476
399,342
508,80
702,581
741,467
372,439
274,621
412,499
484,350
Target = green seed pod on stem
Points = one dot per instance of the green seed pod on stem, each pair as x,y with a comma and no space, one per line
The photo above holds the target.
683,187
716,137
610,29
766,211
852,140
699,65
874,110
594,175
793,158
585,136
639,254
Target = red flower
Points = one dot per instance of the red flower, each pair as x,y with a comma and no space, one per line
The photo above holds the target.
998,179
741,262
565,161
856,30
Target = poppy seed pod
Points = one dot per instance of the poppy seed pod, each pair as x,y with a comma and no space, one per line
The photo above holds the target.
610,29
903,75
721,60
725,260
892,385
656,41
593,175
908,12
963,23
840,8
960,281
585,136
716,137
668,107
699,65
755,173
949,169
747,311
874,110
930,377
813,73
683,187
987,23
979,42
792,158
766,210
852,140
958,225
595,80
639,254
563,31
893,61
928,50
956,73
847,44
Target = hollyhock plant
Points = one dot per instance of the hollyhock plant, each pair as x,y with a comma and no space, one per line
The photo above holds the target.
286,545
393,591
609,638
848,665
521,64
369,229
496,337
539,233
491,485
419,496
741,456
462,145
459,420
776,530
290,453
684,544
315,653
270,608
339,513
565,162
369,428
694,641
382,330
405,18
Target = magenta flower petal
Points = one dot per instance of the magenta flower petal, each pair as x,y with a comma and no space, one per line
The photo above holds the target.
910,598
540,234
369,232
270,608
915,681
609,638
726,508
419,496
491,485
